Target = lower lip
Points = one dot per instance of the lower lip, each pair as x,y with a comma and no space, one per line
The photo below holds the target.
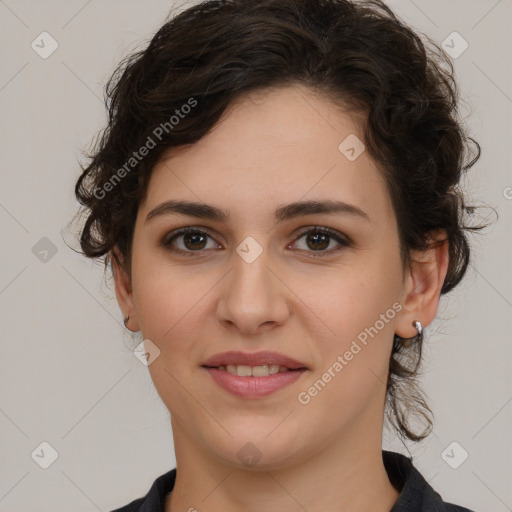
253,387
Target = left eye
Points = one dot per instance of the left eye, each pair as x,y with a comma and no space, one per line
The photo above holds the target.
195,240
320,239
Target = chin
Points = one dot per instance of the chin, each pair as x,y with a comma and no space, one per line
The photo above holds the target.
262,452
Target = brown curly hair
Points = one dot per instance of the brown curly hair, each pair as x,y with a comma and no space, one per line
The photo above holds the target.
358,55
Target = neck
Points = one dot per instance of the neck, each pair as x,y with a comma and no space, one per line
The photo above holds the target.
342,476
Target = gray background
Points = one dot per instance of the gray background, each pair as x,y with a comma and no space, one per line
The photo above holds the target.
66,374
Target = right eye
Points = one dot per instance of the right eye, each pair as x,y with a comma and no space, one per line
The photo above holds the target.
193,240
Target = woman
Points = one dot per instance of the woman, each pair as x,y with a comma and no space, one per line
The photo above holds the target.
277,193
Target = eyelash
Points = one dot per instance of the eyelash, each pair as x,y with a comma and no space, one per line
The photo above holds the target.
342,240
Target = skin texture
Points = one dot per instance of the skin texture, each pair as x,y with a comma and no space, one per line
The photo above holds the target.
269,149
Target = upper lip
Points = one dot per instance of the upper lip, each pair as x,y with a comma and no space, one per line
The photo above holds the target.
253,359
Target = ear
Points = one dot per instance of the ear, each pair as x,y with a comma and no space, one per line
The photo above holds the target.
124,291
422,285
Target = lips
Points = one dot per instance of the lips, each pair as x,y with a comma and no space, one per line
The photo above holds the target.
253,359
244,385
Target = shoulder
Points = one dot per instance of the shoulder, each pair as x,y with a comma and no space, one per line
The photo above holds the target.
416,495
154,501
134,506
450,507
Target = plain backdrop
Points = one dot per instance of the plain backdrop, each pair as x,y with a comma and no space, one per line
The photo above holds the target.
67,377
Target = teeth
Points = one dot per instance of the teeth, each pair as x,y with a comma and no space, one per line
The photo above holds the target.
259,371
253,371
243,371
273,368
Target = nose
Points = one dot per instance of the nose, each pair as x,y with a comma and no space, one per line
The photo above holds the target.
254,297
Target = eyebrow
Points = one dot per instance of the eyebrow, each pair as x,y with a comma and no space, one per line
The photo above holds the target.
282,213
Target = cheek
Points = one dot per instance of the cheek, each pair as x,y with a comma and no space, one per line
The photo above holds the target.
170,305
168,302
360,308
355,297
163,292
174,309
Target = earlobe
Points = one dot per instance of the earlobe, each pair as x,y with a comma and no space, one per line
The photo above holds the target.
422,286
124,293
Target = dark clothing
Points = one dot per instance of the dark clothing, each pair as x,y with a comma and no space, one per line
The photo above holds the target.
416,495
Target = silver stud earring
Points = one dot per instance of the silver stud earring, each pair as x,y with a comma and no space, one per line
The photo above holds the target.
419,328
125,321
409,342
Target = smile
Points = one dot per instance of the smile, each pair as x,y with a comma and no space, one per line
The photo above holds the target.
253,371
253,382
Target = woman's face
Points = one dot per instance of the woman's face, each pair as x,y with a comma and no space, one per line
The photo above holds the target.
255,282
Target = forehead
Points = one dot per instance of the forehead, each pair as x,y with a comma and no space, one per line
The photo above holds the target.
271,147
